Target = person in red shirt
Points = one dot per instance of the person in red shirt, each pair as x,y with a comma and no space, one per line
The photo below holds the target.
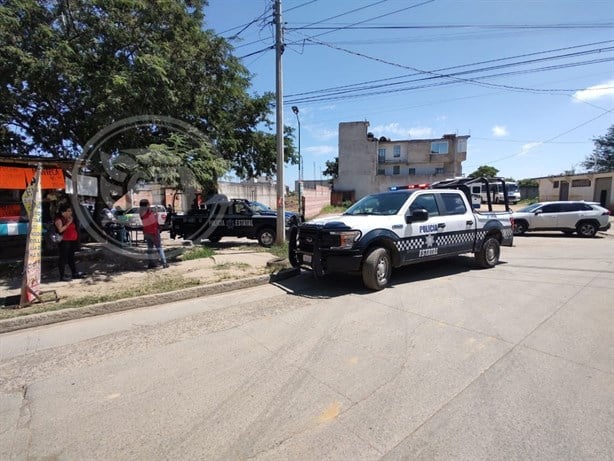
66,226
151,233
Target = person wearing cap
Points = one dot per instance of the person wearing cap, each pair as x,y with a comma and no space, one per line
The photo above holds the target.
151,233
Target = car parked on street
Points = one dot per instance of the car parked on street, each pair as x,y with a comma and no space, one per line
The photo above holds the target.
585,218
231,218
131,217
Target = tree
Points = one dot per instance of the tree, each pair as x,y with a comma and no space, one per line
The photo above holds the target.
602,159
528,182
485,171
332,168
69,69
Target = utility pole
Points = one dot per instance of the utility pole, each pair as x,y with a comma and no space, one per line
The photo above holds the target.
279,101
300,177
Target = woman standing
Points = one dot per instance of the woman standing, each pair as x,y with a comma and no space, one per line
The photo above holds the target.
66,226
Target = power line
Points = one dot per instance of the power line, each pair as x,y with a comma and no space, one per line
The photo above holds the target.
361,85
549,140
300,6
365,20
336,95
243,27
607,25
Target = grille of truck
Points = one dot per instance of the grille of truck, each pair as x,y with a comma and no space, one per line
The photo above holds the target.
309,236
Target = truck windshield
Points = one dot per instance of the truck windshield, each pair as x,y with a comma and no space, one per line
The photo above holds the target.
386,203
511,187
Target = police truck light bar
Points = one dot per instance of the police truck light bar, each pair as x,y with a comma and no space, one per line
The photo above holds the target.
409,186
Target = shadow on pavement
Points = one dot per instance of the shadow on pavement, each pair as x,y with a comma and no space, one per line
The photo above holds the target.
334,285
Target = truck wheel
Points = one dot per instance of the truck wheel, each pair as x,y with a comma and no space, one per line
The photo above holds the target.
292,247
376,269
214,238
520,227
266,237
488,255
587,229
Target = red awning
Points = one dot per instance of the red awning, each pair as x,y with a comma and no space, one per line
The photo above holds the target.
13,177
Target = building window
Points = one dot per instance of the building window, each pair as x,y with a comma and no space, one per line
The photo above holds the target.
381,171
396,169
461,145
580,183
412,172
555,185
439,147
396,151
438,171
381,154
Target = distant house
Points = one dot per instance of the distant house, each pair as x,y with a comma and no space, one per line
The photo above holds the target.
369,164
592,187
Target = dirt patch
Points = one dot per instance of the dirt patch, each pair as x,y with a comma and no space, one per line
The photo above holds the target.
113,276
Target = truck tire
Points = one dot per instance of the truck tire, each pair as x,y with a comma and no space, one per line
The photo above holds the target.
376,269
520,227
266,237
586,229
214,238
292,247
488,255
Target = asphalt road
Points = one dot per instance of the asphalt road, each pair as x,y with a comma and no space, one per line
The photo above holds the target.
450,362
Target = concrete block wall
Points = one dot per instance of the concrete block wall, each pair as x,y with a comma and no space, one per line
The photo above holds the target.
264,192
315,200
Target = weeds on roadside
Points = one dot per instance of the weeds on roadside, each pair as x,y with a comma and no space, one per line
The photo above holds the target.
197,253
330,209
159,284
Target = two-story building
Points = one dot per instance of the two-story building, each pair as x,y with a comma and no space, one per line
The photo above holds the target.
368,164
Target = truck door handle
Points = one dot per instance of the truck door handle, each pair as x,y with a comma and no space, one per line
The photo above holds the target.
469,223
441,225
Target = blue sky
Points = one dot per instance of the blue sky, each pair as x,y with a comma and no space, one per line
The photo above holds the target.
528,119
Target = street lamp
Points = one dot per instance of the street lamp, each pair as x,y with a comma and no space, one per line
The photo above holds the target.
300,179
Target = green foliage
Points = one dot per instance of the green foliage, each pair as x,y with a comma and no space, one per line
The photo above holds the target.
331,209
281,251
197,253
528,183
602,160
484,171
332,168
69,69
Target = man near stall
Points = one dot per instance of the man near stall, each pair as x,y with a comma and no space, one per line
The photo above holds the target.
151,233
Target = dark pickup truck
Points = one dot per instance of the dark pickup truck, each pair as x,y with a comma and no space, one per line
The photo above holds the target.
231,218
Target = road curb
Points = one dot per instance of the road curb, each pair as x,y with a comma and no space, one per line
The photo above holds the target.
73,313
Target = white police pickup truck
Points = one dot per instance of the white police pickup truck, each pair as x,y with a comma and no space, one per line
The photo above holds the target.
397,228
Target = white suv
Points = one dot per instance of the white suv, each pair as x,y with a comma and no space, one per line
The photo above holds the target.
585,218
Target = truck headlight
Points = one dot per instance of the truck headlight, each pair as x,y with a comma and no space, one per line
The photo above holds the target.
347,238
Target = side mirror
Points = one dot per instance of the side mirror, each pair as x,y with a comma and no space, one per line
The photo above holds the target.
538,212
417,215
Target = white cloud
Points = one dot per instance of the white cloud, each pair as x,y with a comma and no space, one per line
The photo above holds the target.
394,130
499,131
529,146
421,132
321,150
595,92
324,133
